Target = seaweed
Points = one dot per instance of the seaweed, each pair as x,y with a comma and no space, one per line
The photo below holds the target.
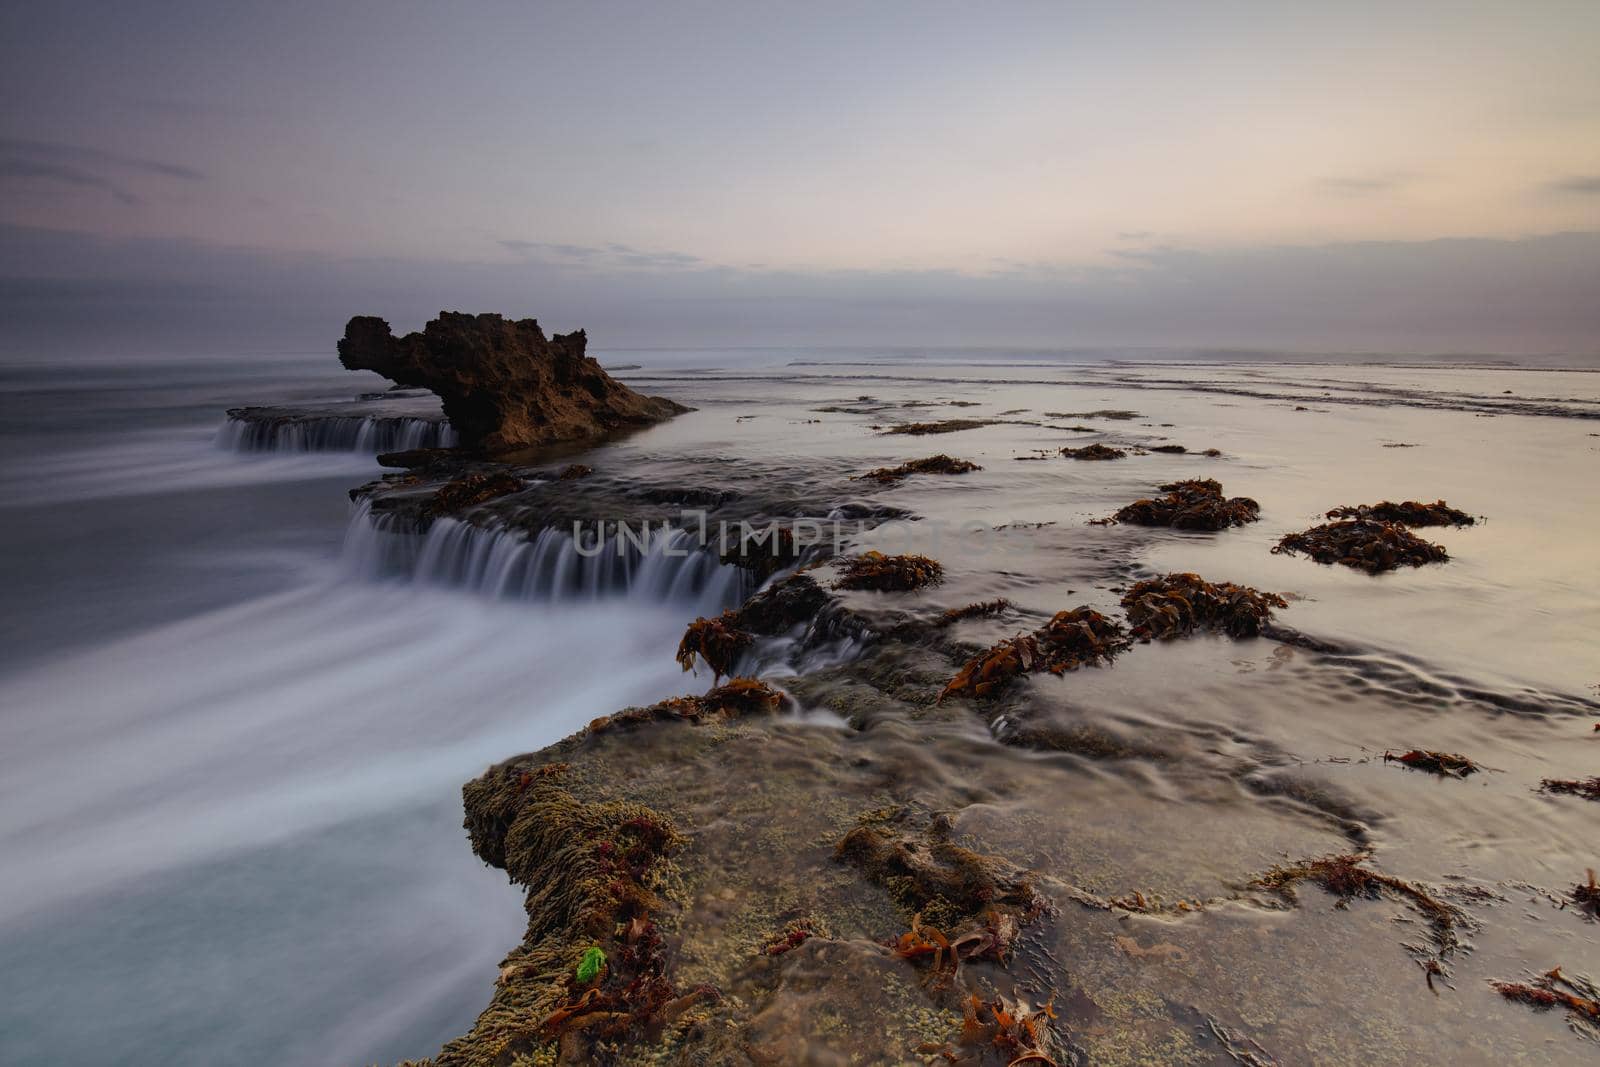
888,574
1345,878
574,471
592,966
1555,989
1071,639
1365,544
718,641
1095,451
979,610
1408,513
1180,603
1192,504
1588,788
1171,450
920,429
950,886
1444,764
735,699
940,464
471,489
1103,413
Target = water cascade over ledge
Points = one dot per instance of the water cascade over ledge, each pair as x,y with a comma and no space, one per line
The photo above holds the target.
660,565
335,433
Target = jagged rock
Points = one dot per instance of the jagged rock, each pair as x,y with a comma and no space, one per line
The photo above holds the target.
503,383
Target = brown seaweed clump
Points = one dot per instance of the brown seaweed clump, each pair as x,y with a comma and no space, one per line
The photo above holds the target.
574,471
1554,989
1094,451
1444,764
1008,1030
1588,788
1409,513
1068,641
717,641
1192,504
1179,604
735,699
1365,544
921,429
591,967
1345,878
471,489
940,464
1586,895
888,574
982,609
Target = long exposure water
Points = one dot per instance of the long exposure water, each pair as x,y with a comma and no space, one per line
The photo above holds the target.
232,736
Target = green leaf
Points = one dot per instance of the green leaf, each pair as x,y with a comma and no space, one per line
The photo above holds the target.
591,965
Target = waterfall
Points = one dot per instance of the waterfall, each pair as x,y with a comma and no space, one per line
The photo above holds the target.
335,433
672,566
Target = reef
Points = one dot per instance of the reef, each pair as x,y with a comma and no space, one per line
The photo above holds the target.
504,384
1194,504
1365,544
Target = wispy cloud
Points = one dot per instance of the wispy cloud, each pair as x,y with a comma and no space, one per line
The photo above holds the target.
609,256
1584,184
1364,184
79,167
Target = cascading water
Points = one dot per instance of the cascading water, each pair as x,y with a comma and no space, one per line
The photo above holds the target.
336,433
661,565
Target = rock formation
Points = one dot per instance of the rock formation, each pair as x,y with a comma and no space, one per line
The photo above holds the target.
504,384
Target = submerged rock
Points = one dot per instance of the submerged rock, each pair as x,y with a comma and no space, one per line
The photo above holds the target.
503,383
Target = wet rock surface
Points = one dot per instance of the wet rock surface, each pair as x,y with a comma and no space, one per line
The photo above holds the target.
503,384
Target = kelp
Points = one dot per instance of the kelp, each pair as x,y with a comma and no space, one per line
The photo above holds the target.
1103,413
574,471
1192,504
1346,878
888,574
1408,513
1365,544
718,641
940,464
1007,1030
471,489
591,967
1071,639
735,699
1171,450
1180,603
982,609
945,884
920,429
1094,451
1554,989
1444,764
1588,788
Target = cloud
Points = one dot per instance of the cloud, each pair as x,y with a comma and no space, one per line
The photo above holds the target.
1588,184
31,170
67,294
1364,184
611,256
82,168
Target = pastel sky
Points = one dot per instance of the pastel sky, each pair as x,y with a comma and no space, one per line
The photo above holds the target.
1056,174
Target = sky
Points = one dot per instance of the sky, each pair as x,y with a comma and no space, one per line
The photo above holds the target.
1343,176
